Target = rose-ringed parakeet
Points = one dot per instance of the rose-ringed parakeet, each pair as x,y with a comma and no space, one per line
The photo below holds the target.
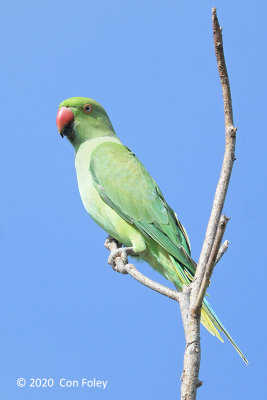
121,197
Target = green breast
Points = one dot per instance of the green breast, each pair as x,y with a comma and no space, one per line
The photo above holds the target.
102,214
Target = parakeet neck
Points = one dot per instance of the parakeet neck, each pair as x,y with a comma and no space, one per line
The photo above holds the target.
87,133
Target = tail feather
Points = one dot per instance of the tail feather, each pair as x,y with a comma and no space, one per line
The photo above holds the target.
208,317
215,321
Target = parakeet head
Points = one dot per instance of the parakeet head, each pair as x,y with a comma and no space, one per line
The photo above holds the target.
81,119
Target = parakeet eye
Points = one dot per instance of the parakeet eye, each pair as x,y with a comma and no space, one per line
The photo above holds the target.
87,108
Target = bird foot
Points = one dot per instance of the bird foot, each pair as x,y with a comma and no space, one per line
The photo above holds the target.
123,253
118,257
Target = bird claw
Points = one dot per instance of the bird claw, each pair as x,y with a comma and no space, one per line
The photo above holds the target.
123,253
118,257
119,266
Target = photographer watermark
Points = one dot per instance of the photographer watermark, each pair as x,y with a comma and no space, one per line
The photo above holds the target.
62,382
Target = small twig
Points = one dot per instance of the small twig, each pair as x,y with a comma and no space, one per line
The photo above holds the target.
222,250
212,261
172,294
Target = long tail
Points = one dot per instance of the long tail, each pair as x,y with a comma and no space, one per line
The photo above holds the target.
208,317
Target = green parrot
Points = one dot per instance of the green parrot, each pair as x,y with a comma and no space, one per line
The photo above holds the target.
123,199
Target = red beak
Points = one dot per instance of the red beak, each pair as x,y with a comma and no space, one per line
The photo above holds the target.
64,117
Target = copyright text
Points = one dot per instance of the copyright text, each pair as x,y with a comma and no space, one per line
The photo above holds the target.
62,382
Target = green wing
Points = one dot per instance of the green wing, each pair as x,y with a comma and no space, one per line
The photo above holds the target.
125,185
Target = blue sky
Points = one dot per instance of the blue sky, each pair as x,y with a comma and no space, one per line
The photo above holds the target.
151,64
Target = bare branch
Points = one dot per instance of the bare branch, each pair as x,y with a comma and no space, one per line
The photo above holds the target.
210,246
212,260
132,270
190,381
184,307
229,157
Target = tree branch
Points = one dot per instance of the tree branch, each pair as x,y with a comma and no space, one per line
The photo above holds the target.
210,246
229,158
184,307
181,297
212,261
